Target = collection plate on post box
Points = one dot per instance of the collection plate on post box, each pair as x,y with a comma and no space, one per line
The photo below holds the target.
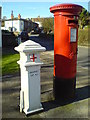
73,33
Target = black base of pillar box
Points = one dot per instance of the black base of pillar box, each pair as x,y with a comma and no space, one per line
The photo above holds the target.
64,89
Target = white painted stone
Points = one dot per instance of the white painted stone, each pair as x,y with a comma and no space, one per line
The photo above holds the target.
30,64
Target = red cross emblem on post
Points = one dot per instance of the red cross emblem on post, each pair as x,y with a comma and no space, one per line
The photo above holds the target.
33,57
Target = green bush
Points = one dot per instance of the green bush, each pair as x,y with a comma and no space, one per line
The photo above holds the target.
48,25
83,37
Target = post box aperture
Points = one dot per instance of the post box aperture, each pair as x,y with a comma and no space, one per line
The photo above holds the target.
65,48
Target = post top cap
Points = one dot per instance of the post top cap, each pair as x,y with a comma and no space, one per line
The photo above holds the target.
30,46
66,6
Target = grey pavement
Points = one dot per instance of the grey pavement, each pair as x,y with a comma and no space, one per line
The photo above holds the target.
78,108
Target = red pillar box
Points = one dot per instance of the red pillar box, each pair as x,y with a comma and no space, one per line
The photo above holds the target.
65,49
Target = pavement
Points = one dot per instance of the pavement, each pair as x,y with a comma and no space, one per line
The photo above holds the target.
78,108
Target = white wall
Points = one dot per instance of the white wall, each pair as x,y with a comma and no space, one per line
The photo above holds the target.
0,30
21,25
17,24
3,28
39,23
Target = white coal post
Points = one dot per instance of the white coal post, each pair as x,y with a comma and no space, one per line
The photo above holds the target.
0,30
30,64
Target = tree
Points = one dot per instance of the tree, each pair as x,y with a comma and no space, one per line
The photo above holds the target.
83,18
48,24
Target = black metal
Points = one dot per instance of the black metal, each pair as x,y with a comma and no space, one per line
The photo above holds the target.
64,89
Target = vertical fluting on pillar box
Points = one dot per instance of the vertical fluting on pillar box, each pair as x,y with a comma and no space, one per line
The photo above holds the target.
65,49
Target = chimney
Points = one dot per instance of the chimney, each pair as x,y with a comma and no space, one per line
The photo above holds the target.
12,15
19,16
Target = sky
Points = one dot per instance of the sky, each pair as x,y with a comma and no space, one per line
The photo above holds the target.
32,9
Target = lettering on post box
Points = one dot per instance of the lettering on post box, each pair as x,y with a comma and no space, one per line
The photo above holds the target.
73,36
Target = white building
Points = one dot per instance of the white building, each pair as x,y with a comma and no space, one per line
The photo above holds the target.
39,24
19,24
16,24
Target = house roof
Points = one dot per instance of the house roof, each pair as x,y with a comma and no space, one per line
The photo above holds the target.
25,20
18,19
38,19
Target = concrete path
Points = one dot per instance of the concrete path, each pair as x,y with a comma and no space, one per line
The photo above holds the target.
72,109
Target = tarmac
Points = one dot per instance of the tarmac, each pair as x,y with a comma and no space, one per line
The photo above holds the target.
78,108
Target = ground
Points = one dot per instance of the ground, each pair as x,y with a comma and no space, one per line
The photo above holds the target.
78,108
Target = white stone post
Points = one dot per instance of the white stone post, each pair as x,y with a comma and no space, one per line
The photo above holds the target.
30,100
0,30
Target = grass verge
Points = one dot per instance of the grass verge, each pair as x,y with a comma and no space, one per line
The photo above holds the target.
9,64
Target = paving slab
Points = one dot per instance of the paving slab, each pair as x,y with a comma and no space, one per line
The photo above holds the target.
78,108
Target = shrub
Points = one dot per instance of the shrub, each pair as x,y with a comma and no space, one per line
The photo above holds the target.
83,37
48,24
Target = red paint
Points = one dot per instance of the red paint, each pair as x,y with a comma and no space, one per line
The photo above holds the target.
33,58
65,51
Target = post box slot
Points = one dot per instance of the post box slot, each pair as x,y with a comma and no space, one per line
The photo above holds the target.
72,21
